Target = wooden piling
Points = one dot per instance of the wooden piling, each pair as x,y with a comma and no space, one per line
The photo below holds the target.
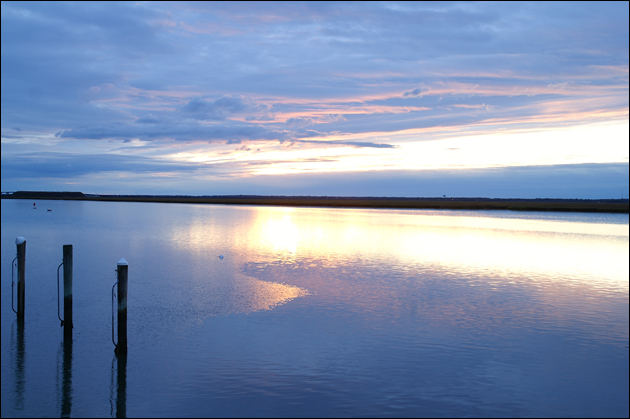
21,264
121,386
123,269
66,386
19,371
67,291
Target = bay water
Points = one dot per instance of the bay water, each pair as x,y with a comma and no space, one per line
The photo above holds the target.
318,312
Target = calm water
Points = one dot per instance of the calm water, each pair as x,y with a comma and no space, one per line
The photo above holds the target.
319,312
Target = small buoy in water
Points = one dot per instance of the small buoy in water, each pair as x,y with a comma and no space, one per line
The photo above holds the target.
220,256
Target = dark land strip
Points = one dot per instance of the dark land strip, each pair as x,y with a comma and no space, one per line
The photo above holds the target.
568,205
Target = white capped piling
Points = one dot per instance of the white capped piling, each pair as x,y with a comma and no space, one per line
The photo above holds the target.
67,291
122,270
21,264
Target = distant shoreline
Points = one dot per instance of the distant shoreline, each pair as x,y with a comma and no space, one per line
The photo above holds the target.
567,205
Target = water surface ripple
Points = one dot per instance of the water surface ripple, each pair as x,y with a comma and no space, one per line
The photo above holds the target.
319,312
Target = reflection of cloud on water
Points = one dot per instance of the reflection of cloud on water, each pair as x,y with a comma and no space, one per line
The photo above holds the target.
446,300
459,271
246,295
235,293
203,296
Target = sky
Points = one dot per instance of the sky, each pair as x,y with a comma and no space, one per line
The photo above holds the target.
499,100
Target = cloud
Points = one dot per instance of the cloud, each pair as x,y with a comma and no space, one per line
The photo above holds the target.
331,74
417,92
219,109
299,122
177,132
357,144
222,108
483,106
65,165
588,181
149,119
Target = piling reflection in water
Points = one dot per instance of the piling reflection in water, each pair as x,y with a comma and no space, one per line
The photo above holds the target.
66,379
19,355
403,312
118,386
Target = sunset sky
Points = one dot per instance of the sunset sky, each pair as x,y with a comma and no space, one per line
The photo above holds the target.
358,99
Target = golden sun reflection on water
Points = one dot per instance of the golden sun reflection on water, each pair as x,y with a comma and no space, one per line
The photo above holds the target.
217,285
458,272
465,244
586,255
280,235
